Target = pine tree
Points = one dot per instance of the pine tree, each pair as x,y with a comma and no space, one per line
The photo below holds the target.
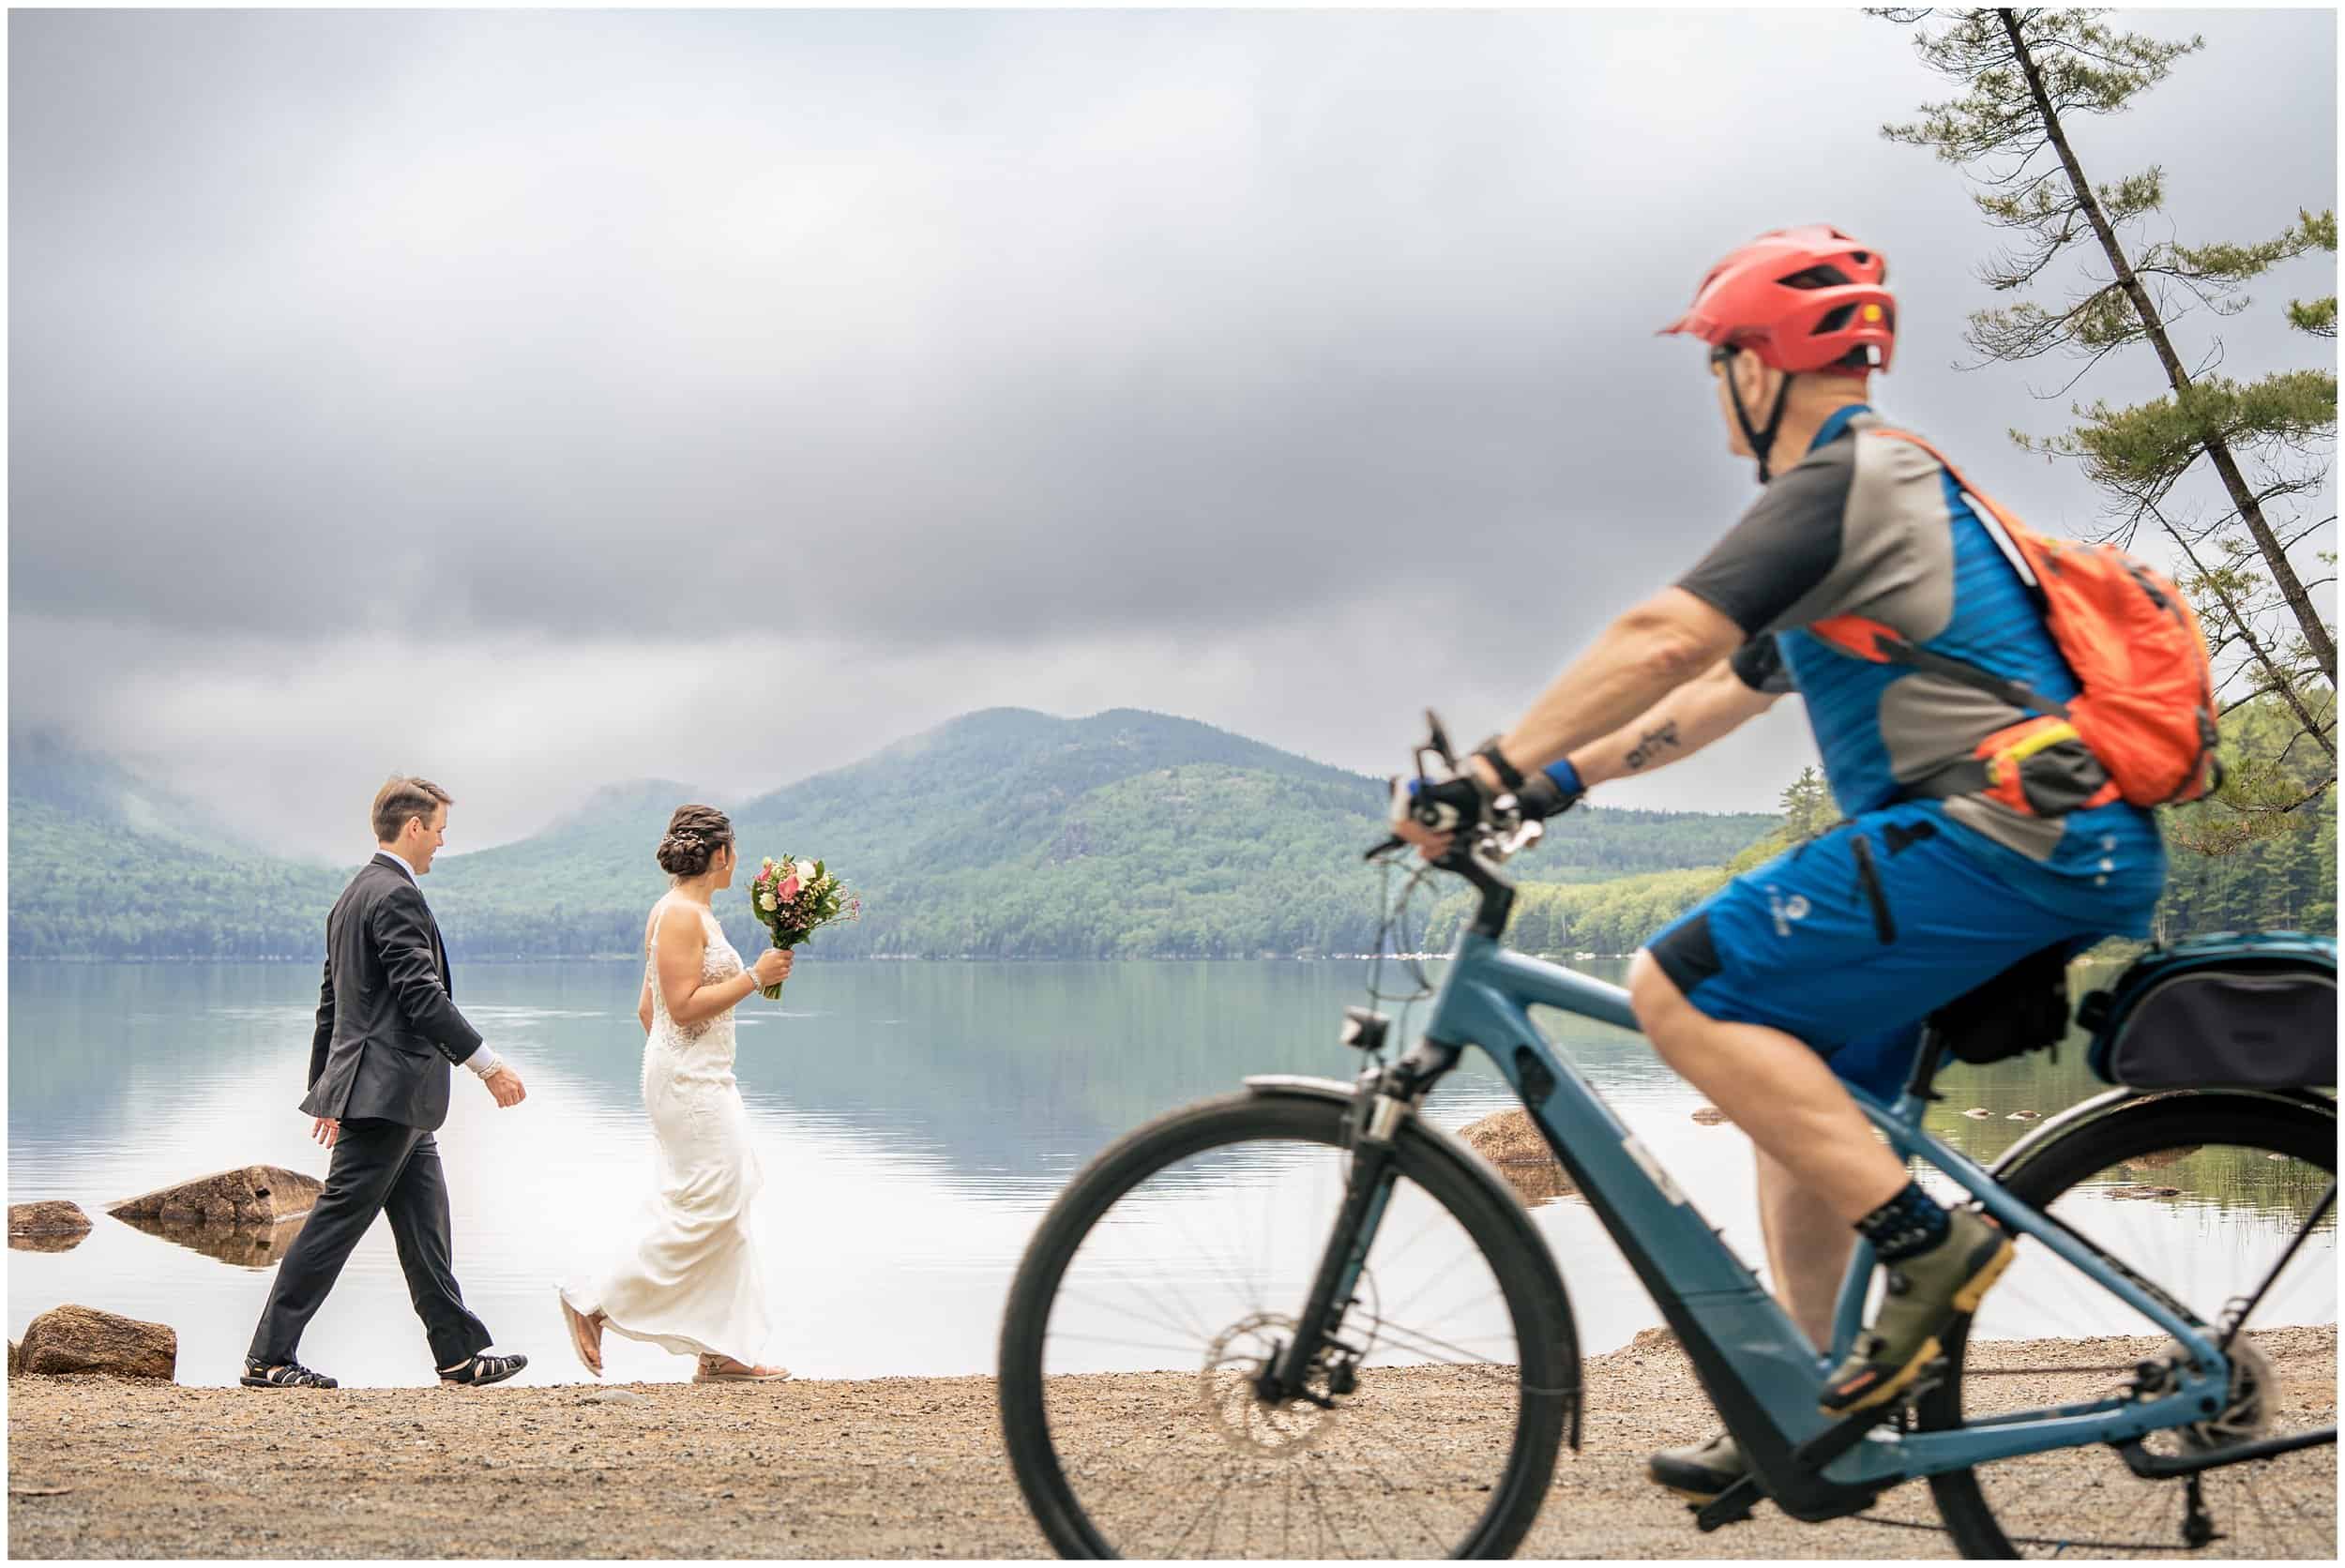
2025,76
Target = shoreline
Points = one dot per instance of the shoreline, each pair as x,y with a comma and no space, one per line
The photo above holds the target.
889,1466
2114,950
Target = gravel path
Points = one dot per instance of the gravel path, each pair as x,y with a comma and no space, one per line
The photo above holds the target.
905,1467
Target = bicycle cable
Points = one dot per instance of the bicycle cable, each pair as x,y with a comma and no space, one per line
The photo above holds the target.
1393,940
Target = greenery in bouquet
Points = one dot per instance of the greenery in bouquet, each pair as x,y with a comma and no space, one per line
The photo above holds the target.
795,898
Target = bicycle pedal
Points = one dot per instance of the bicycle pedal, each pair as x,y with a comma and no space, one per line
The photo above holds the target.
1931,1376
1730,1507
1836,1439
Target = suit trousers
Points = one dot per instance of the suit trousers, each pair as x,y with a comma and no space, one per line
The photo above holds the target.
380,1167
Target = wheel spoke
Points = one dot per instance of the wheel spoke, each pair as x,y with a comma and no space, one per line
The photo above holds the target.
1196,1263
2219,1248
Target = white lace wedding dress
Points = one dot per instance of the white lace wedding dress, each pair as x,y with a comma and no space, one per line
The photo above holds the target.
689,1280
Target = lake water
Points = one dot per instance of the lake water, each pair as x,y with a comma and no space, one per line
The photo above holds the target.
914,1119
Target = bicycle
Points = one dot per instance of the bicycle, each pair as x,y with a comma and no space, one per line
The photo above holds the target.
1324,1417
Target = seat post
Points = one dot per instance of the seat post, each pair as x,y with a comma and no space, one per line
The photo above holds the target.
1925,1065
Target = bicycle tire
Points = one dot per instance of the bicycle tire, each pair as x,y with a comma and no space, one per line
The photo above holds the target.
2298,1131
1548,1375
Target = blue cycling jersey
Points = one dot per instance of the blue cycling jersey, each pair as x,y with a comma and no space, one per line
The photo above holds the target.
1876,527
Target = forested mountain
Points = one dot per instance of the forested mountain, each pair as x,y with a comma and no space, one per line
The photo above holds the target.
1003,833
100,864
1012,833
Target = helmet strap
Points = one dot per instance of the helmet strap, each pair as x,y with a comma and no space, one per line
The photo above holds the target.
1761,441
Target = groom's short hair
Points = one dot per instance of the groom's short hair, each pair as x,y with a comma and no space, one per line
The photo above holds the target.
402,797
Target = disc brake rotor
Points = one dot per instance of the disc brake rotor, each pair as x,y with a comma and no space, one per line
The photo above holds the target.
1227,1395
2247,1413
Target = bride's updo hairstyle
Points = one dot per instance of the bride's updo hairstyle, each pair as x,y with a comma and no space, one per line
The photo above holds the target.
695,834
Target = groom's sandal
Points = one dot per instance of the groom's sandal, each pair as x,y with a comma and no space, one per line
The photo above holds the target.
480,1371
291,1375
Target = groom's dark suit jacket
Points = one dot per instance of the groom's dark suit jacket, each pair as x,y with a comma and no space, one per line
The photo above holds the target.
388,1027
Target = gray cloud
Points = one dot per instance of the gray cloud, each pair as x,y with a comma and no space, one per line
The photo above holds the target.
1285,370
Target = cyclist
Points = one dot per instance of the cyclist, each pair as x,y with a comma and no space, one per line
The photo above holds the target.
1818,967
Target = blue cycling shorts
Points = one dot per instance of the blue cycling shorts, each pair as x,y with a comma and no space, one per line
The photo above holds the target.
1850,939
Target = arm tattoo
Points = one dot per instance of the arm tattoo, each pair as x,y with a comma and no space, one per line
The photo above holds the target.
1648,747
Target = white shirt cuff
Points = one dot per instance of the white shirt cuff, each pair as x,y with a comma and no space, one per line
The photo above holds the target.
483,1061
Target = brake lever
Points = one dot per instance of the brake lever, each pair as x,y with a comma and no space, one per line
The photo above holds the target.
1395,842
1527,833
1438,738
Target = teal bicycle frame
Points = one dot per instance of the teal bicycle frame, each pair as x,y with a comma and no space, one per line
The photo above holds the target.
1760,1369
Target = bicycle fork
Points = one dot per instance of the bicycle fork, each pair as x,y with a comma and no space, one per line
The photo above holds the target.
1387,1097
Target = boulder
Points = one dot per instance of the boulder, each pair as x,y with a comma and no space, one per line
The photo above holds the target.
15,1356
75,1338
51,1226
1507,1137
1510,1140
246,1195
1536,1184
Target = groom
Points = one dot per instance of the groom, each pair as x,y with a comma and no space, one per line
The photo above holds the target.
378,1088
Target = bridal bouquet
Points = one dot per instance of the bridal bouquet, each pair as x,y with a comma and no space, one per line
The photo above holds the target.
795,898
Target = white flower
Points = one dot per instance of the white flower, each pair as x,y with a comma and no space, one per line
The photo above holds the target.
766,901
806,871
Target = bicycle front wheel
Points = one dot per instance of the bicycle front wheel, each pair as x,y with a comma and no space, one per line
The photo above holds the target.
2201,1195
1173,1269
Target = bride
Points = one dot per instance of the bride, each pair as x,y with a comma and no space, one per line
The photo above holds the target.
690,1281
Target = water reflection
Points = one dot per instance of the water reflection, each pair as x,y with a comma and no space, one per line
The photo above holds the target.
48,1241
247,1246
913,1121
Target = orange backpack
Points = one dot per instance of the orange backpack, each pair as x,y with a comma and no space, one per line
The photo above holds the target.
2145,709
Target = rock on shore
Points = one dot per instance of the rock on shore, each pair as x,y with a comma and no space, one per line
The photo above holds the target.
52,1225
74,1338
245,1195
1510,1140
1507,1137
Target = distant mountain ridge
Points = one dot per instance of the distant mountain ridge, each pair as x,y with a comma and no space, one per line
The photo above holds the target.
103,864
1002,833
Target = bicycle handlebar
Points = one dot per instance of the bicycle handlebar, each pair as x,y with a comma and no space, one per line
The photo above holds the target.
1476,850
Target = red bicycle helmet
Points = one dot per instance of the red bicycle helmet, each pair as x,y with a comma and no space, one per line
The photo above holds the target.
1801,300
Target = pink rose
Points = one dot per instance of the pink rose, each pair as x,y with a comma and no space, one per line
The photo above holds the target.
787,891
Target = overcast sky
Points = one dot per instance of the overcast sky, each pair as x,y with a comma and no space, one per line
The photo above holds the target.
539,401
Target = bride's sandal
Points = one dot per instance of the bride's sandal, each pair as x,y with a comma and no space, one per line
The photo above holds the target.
713,1369
585,1336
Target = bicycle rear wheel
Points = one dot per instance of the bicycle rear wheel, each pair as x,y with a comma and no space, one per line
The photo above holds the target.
1172,1269
2200,1195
